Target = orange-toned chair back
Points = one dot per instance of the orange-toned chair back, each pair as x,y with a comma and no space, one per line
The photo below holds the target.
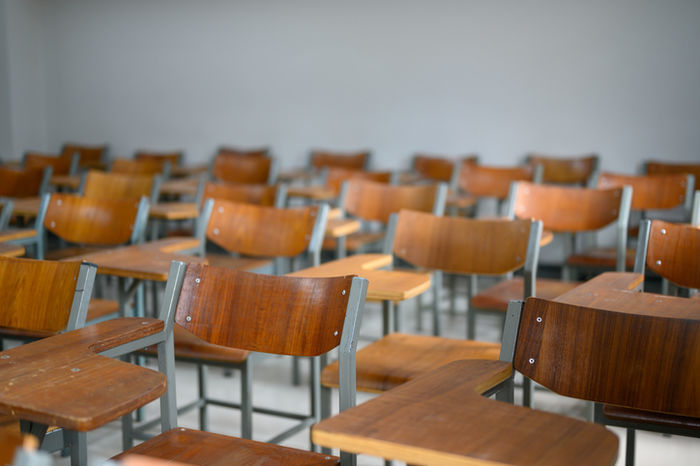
374,201
248,169
657,167
20,183
480,180
336,176
174,157
260,194
35,160
650,191
565,170
101,185
673,252
238,152
138,167
90,156
350,160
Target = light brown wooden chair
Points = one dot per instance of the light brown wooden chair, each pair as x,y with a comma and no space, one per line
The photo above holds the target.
672,251
434,168
239,312
258,194
243,169
649,192
248,152
174,157
59,165
566,170
333,177
442,245
141,167
360,199
656,167
30,182
89,156
319,159
110,185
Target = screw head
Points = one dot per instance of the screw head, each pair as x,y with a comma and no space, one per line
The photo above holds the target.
663,231
342,292
75,369
5,356
658,262
197,280
188,318
531,361
539,319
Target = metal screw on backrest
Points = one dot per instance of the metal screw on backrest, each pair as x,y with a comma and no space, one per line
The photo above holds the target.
335,334
188,318
658,262
216,231
663,231
5,356
531,361
539,319
197,280
343,292
221,210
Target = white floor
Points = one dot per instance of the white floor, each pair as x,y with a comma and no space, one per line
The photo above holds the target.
272,388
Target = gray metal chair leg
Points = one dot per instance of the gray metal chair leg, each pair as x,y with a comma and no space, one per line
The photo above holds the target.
419,312
127,431
506,393
397,323
315,392
202,392
296,372
325,411
528,392
387,317
78,448
629,454
437,294
453,294
247,400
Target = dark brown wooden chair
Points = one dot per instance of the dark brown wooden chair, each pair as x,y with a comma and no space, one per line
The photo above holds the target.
243,169
654,193
236,311
59,165
29,182
141,167
106,185
566,170
320,159
359,199
89,156
434,168
442,245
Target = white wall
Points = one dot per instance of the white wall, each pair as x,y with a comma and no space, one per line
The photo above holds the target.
497,77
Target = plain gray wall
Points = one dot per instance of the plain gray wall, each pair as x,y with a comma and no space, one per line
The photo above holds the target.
500,78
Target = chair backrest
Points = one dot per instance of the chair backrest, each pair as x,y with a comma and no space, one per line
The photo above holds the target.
259,194
653,191
488,181
260,231
566,170
174,157
672,250
103,185
433,167
659,167
642,359
141,167
238,152
29,182
374,201
84,220
334,177
89,156
246,169
41,298
463,245
352,160
59,165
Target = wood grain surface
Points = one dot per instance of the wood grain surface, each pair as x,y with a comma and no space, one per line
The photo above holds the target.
260,194
20,183
674,252
103,185
362,199
235,169
488,181
351,160
649,191
138,167
568,170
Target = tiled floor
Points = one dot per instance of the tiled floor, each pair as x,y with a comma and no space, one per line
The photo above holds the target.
272,388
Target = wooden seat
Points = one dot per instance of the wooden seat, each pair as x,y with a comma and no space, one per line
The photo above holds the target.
243,169
321,158
358,199
281,315
103,185
30,182
649,192
566,170
146,166
89,156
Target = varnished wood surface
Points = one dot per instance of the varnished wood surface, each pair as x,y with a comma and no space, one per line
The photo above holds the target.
189,170
433,168
674,252
440,418
102,185
650,191
174,211
11,250
641,352
148,261
20,183
26,207
391,285
16,233
205,448
90,155
316,193
460,201
192,348
235,169
272,314
79,389
35,160
647,417
362,199
138,167
338,227
336,176
487,181
249,193
236,263
261,231
180,187
91,221
397,358
352,160
497,297
71,182
174,157
231,151
36,295
568,170
657,167
567,209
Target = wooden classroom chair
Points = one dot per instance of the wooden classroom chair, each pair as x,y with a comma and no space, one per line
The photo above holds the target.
243,169
270,195
438,168
59,165
649,192
563,210
672,251
176,157
241,312
252,236
30,182
577,170
657,167
333,177
360,199
111,185
442,245
40,299
141,167
321,158
244,152
89,156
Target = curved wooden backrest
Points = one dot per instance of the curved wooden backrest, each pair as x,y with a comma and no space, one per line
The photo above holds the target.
461,245
370,200
90,156
259,194
139,167
91,221
261,231
20,183
565,208
267,313
480,180
238,152
658,167
36,295
673,251
650,191
242,169
174,157
352,160
35,160
639,360
433,167
565,170
102,185
336,176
